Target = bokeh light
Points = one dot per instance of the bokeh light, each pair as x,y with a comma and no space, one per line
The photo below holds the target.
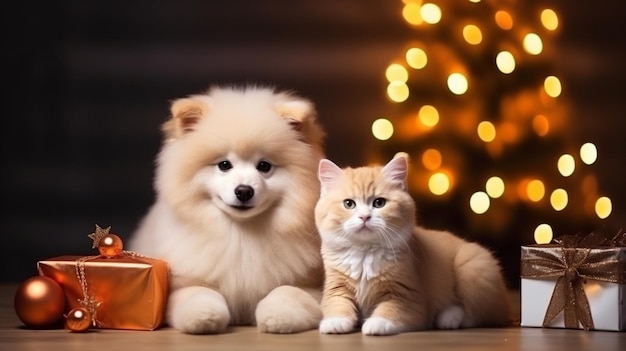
432,159
541,125
479,202
397,91
552,86
504,20
603,207
416,58
535,190
532,44
396,72
549,19
543,234
439,183
559,199
588,153
430,13
457,83
472,34
505,62
428,116
486,131
411,13
382,129
494,187
566,165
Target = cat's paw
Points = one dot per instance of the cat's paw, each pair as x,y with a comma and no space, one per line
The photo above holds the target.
336,325
379,326
450,318
198,310
288,309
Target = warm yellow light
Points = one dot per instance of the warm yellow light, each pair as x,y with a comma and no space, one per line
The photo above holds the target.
397,91
532,44
505,62
494,187
566,165
535,190
472,34
541,125
504,20
457,83
549,19
603,207
474,1
431,159
588,153
479,202
382,129
431,13
396,72
411,13
439,183
543,234
558,199
416,58
486,131
552,86
428,116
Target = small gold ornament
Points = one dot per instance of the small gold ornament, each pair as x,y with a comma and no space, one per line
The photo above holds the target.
78,320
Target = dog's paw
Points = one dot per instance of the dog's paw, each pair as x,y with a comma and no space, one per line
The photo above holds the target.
198,310
379,326
288,310
336,325
450,318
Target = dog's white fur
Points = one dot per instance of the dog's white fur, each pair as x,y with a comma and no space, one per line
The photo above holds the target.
236,262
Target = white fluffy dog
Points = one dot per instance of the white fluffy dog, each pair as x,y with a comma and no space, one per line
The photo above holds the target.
236,184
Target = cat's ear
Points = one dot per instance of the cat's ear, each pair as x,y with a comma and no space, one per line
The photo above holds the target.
327,173
396,170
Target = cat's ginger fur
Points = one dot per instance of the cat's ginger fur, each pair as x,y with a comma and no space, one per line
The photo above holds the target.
391,275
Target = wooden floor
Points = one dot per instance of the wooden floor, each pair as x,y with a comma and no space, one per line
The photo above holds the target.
14,337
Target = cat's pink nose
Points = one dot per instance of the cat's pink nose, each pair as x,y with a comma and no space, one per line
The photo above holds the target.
365,218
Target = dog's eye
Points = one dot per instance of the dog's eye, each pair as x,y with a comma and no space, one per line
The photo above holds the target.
224,165
264,166
349,204
379,202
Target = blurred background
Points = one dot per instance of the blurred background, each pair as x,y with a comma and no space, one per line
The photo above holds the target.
513,115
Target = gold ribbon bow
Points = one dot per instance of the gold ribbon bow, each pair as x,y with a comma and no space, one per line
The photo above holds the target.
572,261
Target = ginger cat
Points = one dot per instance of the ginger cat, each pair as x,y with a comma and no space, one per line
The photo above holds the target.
388,275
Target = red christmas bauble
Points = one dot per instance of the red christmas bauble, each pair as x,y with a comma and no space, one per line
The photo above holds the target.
39,302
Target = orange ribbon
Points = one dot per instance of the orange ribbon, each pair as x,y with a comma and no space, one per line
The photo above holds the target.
574,260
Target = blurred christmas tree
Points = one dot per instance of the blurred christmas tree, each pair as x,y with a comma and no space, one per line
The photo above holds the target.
477,103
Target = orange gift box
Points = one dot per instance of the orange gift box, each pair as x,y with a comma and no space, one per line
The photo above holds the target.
130,291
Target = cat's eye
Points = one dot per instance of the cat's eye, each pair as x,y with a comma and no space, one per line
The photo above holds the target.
264,166
379,202
349,204
224,165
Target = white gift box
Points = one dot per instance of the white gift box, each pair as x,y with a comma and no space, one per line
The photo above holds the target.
606,299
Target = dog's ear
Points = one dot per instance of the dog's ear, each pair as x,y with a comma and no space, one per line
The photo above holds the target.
185,114
302,117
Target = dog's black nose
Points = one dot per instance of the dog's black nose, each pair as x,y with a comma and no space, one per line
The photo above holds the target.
244,192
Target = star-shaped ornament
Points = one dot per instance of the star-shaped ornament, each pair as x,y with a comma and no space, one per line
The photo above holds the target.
98,235
91,305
